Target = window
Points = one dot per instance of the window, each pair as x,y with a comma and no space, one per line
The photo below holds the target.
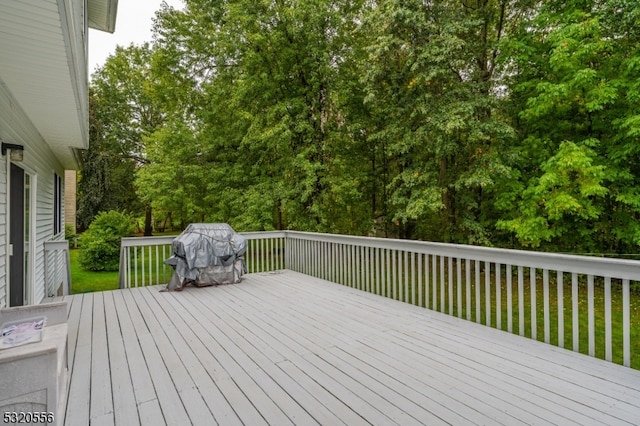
57,204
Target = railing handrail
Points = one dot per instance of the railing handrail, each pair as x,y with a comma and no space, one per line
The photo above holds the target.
598,266
168,239
147,241
590,265
258,235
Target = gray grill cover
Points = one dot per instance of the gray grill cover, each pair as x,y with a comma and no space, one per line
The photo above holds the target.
207,254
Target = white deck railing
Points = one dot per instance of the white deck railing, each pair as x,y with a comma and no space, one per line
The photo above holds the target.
550,297
57,280
141,258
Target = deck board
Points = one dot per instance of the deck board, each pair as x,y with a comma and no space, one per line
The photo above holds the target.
286,348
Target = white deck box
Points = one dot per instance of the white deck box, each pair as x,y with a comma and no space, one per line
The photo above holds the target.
34,375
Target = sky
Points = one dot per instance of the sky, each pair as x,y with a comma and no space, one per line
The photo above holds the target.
133,25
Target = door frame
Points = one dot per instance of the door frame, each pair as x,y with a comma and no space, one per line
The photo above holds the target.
30,227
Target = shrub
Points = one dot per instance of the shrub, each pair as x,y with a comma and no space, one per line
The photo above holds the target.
70,235
100,244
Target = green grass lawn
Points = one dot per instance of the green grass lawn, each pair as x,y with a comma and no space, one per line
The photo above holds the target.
86,281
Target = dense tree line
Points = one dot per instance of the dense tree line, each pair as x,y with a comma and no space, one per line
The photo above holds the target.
498,122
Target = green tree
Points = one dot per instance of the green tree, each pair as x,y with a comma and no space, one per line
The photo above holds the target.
266,122
128,112
106,178
575,102
433,82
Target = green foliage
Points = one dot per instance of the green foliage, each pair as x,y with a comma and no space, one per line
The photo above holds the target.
511,123
431,72
100,243
124,113
560,199
70,235
106,177
574,87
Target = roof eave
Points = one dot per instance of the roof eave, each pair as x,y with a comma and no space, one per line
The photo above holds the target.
102,15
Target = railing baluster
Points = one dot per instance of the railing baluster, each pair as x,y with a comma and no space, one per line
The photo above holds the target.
127,267
150,253
333,266
591,316
608,352
314,251
326,258
254,256
380,270
545,291
450,273
509,272
427,289
467,264
478,298
328,273
498,297
574,312
369,264
405,274
560,303
305,258
442,289
434,282
357,266
534,315
285,251
413,278
487,291
626,324
520,300
135,265
363,268
283,254
394,274
372,269
388,282
344,264
157,265
354,266
420,281
338,263
318,254
329,270
142,282
459,286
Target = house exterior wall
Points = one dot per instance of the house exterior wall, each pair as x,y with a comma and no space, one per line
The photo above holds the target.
44,107
41,164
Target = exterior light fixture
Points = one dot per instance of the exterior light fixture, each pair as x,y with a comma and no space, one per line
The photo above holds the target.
16,152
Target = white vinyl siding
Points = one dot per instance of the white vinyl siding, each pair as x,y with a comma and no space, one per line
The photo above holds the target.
15,127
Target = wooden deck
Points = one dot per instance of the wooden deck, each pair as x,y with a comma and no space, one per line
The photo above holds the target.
284,348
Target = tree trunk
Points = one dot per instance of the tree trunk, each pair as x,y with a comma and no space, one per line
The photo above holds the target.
148,228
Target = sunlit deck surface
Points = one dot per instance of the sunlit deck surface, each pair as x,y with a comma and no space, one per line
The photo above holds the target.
285,348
